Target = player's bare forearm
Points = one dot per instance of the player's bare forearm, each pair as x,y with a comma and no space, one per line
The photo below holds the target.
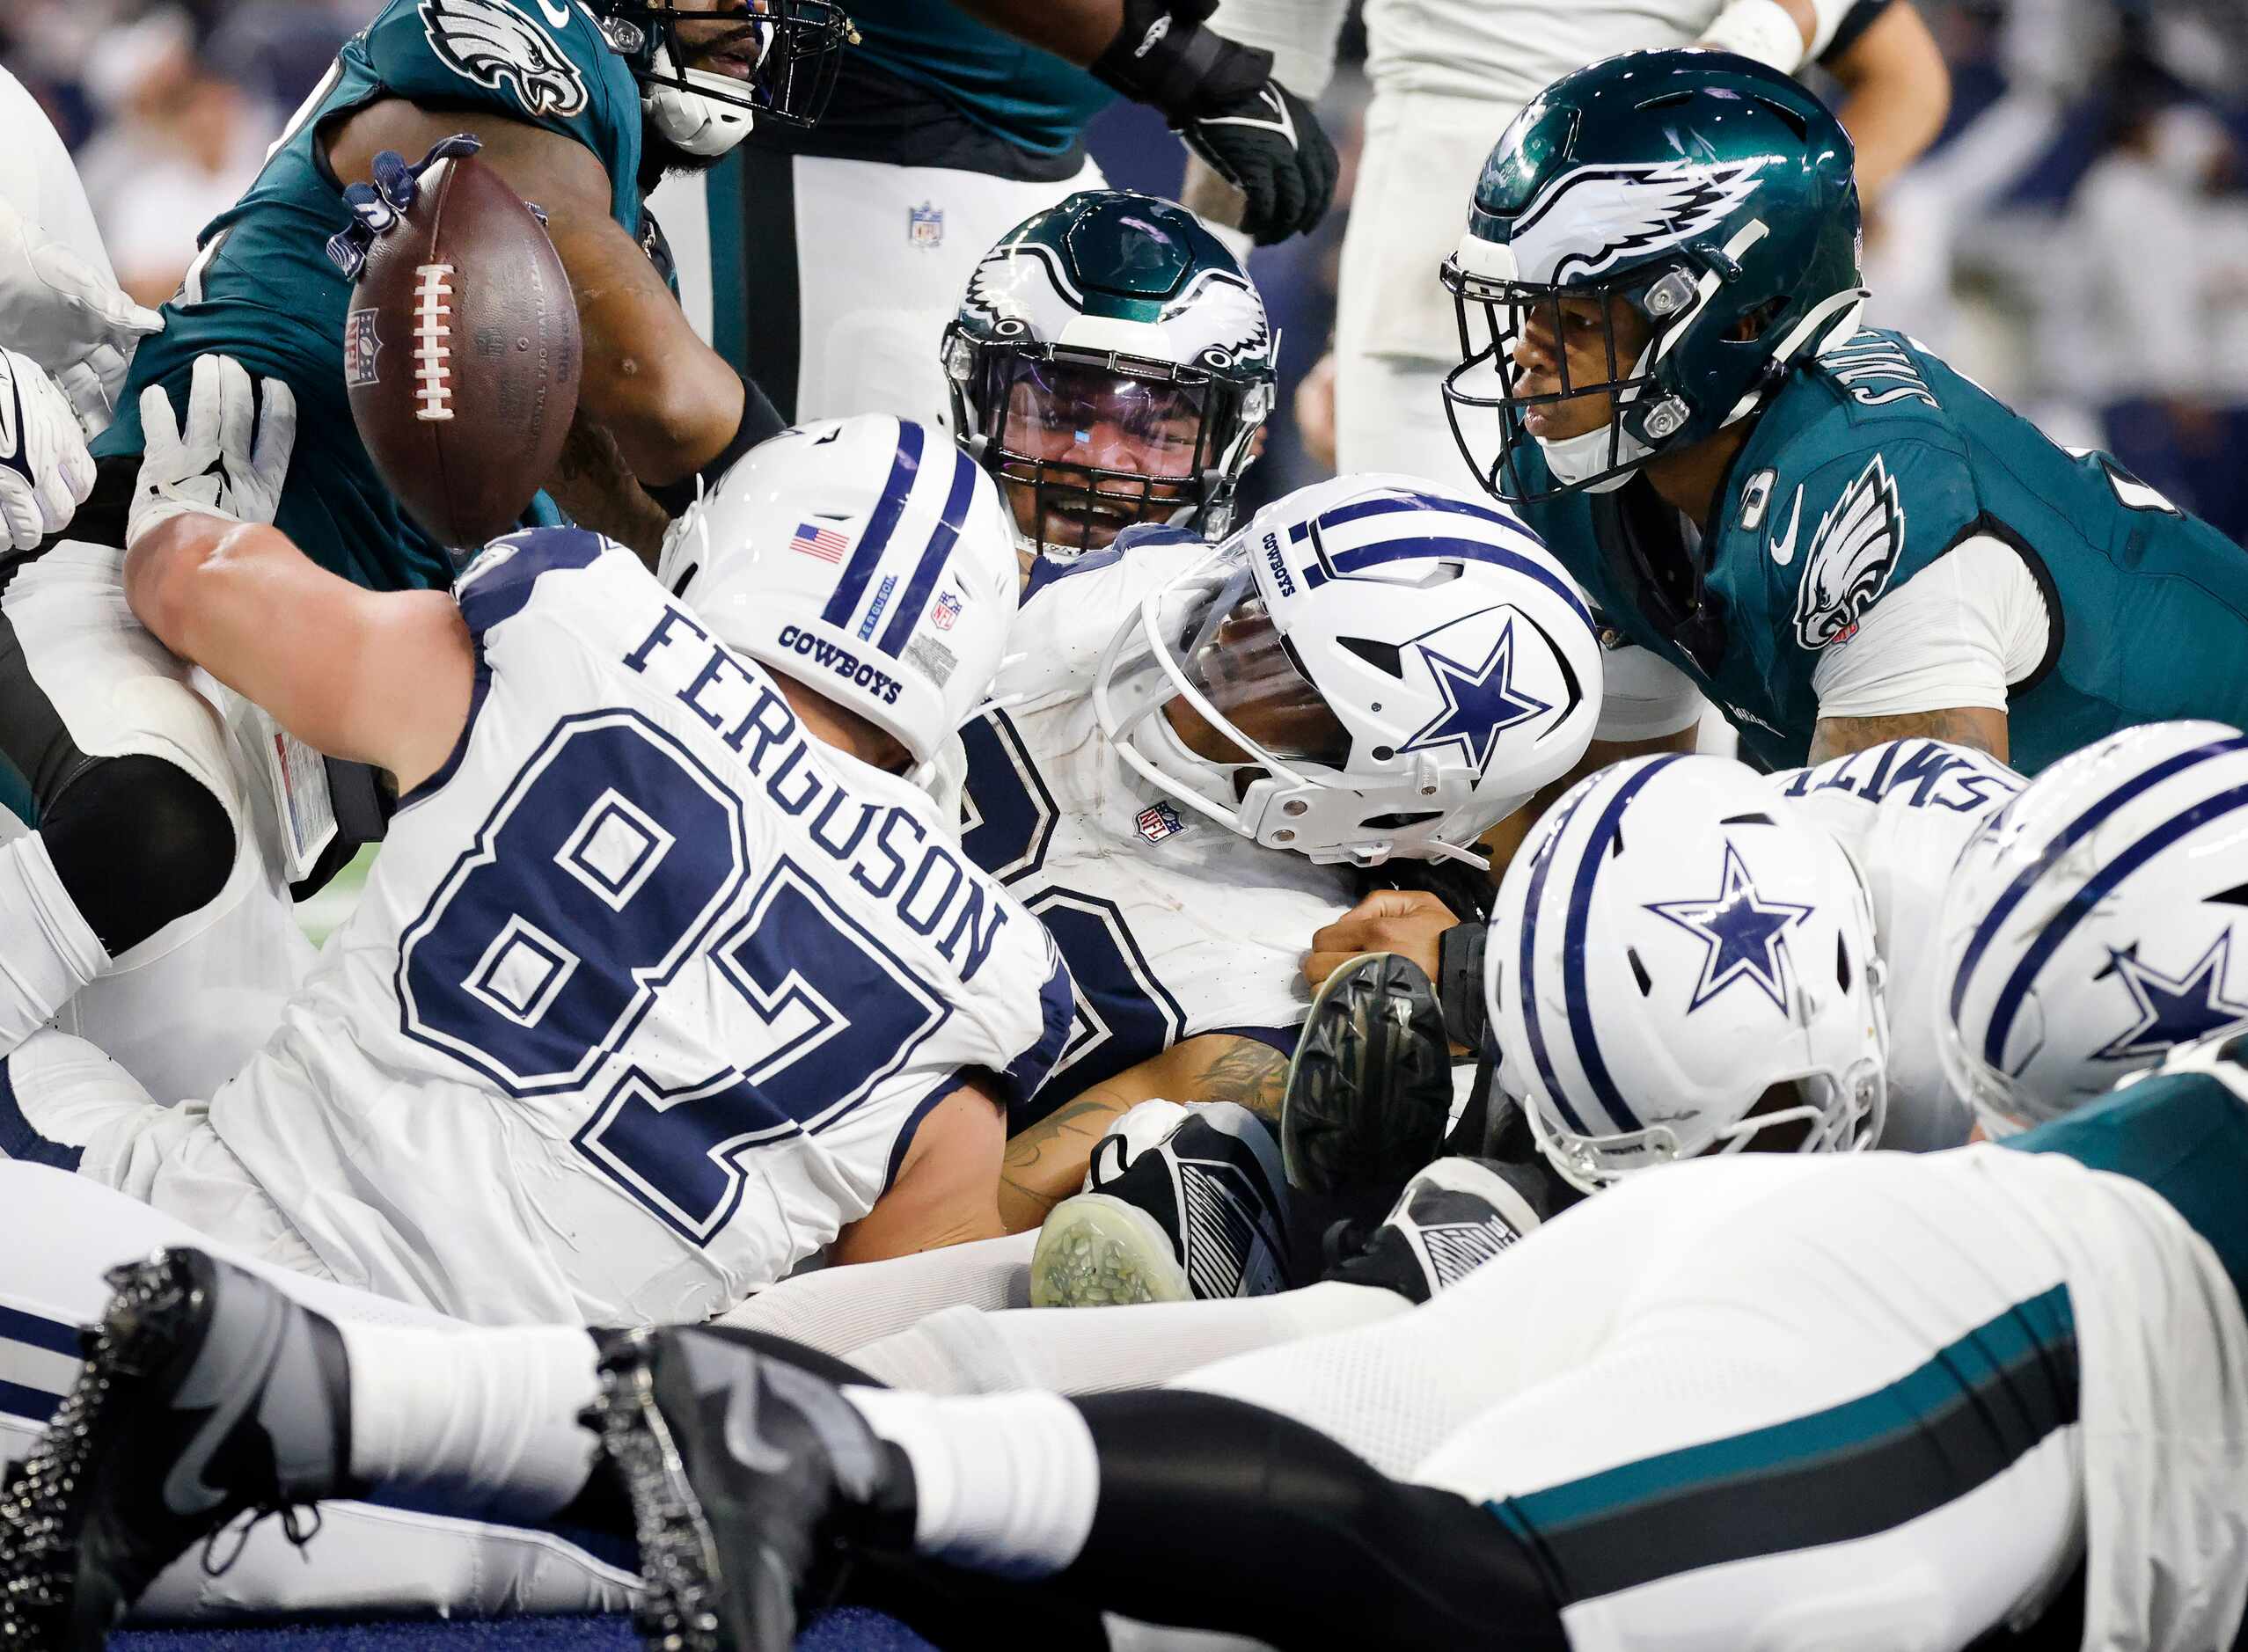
1897,92
1076,30
1502,840
592,482
380,678
1974,726
1045,1163
671,404
944,1191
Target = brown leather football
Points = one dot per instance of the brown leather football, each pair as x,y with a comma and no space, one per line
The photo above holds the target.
461,355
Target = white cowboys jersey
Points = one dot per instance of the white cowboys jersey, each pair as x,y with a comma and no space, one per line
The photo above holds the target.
648,990
1904,810
1171,925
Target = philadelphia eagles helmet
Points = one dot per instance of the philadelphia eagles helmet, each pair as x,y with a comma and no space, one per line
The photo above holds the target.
787,53
1110,363
1687,221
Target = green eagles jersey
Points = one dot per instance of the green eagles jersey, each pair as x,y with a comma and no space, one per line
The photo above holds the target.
2183,1134
1871,462
1030,97
263,291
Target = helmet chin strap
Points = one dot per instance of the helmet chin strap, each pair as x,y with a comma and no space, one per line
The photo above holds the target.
1574,458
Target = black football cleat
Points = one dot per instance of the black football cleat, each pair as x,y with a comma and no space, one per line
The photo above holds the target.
1452,1218
747,1475
1370,1089
206,1394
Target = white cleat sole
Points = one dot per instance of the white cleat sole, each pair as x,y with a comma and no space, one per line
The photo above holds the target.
1097,1251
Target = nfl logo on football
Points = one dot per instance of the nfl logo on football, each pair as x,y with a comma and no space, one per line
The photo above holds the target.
947,611
361,347
925,225
1160,821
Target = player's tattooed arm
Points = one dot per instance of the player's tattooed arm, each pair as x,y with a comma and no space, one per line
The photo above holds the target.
592,482
1046,1163
671,402
1974,726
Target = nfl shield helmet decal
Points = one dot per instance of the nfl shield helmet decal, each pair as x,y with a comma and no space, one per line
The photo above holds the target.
945,610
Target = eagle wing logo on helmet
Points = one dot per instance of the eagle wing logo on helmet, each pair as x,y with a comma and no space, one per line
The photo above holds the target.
494,45
1851,558
1218,320
1591,218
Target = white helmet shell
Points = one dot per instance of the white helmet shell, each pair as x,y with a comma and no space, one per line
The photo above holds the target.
1668,948
2096,921
866,558
1451,661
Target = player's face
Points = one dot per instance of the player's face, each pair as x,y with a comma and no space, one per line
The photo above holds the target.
1242,667
732,42
1593,341
1076,420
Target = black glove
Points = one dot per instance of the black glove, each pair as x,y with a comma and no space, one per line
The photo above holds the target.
1221,100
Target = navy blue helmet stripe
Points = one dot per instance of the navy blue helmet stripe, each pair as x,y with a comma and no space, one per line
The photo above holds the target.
1526,967
1468,550
2066,839
1390,504
866,557
907,614
2088,895
1572,943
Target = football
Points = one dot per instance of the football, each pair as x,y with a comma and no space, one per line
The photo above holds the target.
461,355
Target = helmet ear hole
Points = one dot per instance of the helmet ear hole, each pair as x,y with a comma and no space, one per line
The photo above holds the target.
1842,963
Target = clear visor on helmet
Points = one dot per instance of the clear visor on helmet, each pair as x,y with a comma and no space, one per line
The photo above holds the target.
1097,443
776,58
1562,366
1241,664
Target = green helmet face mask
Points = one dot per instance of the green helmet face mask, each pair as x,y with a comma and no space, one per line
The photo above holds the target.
1664,232
1110,363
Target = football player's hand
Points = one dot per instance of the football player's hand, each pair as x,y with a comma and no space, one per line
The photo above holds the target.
1409,921
230,458
1221,97
68,316
45,470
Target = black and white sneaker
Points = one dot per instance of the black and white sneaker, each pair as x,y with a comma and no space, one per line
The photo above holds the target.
1452,1218
746,1475
1179,1202
1370,1089
206,1392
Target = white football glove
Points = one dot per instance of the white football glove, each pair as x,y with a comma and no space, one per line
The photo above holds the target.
214,468
45,470
68,316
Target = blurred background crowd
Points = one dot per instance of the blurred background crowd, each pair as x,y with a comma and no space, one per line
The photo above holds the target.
2077,238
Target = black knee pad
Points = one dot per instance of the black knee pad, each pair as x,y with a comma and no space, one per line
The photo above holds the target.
137,842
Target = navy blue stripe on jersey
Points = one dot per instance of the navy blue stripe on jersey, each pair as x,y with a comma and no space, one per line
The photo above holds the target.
1370,556
451,766
1057,1020
499,592
1284,1039
1573,990
923,585
2088,895
20,1140
20,1329
867,555
1851,1471
1045,571
906,1131
2062,842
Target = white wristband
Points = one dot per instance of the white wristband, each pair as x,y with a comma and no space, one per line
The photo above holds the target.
1760,29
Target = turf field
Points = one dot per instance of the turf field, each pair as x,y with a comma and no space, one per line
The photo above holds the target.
846,1630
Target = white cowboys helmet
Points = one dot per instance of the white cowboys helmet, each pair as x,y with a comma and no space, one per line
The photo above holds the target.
869,558
1678,966
2097,920
1373,667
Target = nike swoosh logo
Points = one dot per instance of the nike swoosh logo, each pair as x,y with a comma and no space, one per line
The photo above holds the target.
559,16
745,1441
187,1491
1783,544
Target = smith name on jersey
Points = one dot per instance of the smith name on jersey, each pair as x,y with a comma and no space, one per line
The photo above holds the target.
262,290
1903,810
1874,460
1171,925
648,991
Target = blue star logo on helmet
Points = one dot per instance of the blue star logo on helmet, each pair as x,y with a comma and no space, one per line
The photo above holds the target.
2171,1010
1480,702
1745,933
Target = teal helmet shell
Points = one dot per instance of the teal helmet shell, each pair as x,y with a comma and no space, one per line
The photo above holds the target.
1116,295
1703,199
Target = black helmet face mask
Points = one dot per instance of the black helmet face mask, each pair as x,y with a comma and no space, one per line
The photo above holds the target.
1086,444
774,59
